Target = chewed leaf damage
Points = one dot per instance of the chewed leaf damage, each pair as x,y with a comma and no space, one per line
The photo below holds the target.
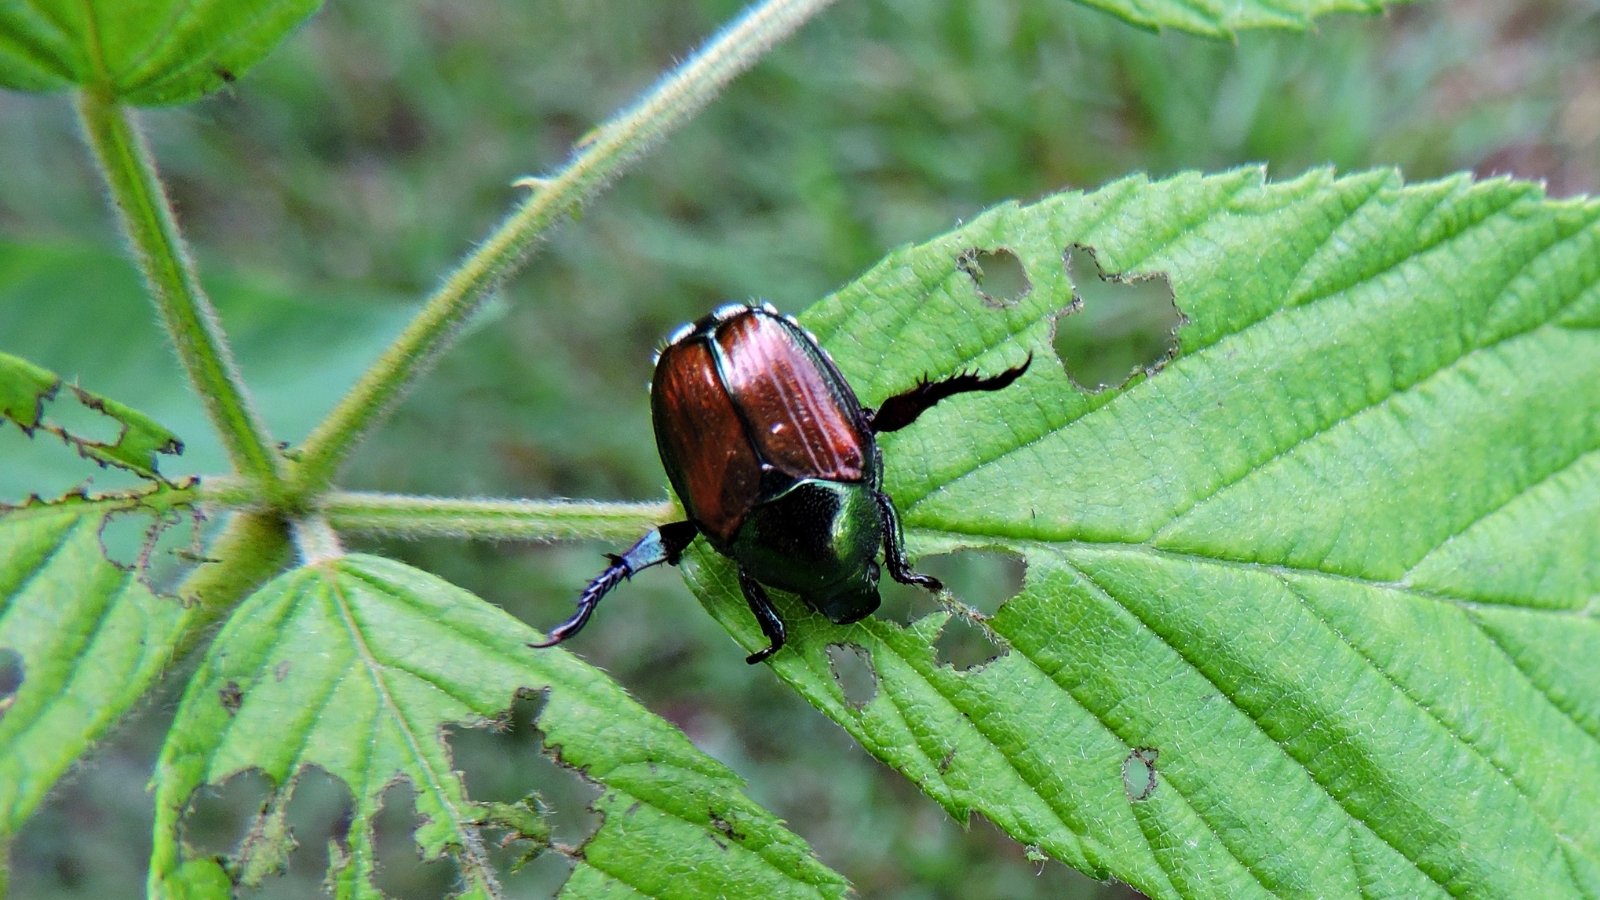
26,390
1118,326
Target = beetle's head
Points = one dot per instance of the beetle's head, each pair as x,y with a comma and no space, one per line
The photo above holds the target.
851,599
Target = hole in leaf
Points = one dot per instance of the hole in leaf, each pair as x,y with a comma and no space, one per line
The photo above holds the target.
402,872
1139,773
852,668
219,815
70,414
997,275
276,844
527,871
1116,327
125,534
963,644
320,817
160,547
179,546
901,603
507,761
10,677
980,579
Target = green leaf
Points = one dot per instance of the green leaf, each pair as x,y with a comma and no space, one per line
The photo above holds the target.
25,389
1225,18
86,637
145,52
1308,611
357,665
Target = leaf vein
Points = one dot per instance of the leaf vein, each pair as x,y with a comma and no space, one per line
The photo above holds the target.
1509,776
175,14
1571,714
45,561
1063,816
1500,507
474,861
1445,369
1282,746
1022,542
298,758
1103,717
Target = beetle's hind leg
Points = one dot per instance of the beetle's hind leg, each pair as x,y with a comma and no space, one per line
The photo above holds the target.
902,409
894,549
662,545
766,614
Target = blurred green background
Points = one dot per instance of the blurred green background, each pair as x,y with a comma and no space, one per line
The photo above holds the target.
331,187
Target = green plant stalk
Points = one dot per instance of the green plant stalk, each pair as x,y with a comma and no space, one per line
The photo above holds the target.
603,155
186,313
315,540
512,520
251,549
224,493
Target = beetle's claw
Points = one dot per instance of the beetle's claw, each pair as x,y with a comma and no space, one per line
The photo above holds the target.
761,655
566,629
917,579
559,633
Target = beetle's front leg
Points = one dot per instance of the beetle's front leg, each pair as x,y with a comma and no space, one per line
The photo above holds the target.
902,409
761,605
894,550
662,545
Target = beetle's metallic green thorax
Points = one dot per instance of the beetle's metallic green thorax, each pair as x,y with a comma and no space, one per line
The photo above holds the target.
820,540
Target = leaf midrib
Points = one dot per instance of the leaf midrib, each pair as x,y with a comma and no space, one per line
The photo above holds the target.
1021,543
475,863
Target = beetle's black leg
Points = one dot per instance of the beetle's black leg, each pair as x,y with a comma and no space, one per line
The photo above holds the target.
662,545
902,409
761,605
894,551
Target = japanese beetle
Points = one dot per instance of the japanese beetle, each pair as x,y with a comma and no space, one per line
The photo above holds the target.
777,464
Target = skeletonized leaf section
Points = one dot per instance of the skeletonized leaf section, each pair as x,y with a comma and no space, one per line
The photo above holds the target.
144,52
357,665
1310,609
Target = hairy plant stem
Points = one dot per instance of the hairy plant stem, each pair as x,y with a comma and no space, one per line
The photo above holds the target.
186,313
516,520
604,154
251,549
315,539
